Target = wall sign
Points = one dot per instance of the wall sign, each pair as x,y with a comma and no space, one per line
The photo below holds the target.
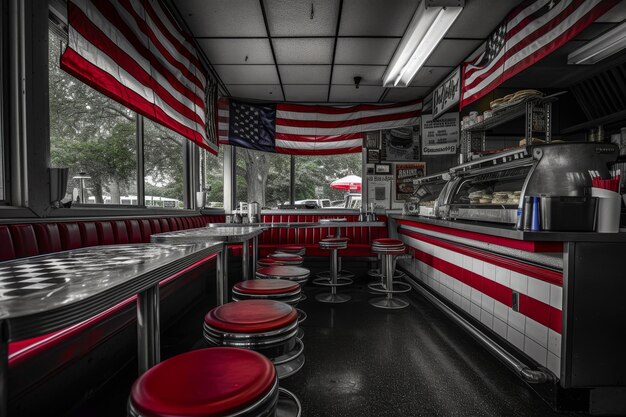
447,94
440,136
400,144
405,174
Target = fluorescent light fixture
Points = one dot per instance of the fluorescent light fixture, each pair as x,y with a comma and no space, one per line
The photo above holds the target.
602,47
428,26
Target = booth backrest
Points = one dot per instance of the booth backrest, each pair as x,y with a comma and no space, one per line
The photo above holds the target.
22,240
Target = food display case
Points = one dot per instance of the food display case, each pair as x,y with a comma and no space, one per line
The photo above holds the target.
426,197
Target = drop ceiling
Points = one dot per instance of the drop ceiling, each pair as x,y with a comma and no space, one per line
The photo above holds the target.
311,50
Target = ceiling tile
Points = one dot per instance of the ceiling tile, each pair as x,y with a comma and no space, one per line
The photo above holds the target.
594,30
304,51
300,93
304,74
475,22
430,76
348,93
405,94
372,51
256,92
293,18
238,18
370,74
235,51
451,52
247,74
376,17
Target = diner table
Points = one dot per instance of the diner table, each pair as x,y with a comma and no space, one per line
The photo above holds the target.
45,293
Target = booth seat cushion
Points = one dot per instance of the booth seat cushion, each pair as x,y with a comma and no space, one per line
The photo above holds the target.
88,234
48,237
24,240
134,231
105,233
71,236
120,232
7,251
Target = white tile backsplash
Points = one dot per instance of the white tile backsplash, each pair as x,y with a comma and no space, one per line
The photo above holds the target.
556,296
517,320
475,311
467,263
477,266
489,271
487,303
503,276
499,327
501,311
554,342
476,296
519,282
466,304
486,318
539,290
554,364
515,337
538,353
537,331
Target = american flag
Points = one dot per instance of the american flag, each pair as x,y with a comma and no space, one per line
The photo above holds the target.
300,129
530,32
135,53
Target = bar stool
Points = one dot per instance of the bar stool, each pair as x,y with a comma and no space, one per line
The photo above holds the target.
283,290
266,326
268,262
378,272
287,258
333,244
388,249
212,382
291,273
341,273
293,249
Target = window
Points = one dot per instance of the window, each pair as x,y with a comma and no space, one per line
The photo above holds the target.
163,165
262,177
93,136
212,177
3,96
315,173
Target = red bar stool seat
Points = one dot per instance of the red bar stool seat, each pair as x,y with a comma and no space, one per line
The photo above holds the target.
388,249
333,244
268,262
283,290
281,271
211,382
292,249
266,326
287,258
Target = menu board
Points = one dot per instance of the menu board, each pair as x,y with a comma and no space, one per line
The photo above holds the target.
405,174
440,136
400,144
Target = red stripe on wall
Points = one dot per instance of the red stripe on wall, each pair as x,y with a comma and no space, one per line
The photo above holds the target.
547,275
528,306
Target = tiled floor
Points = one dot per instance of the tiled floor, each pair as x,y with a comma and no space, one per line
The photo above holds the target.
363,361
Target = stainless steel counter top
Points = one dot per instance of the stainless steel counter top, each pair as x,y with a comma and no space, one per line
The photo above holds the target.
511,233
305,225
44,293
226,232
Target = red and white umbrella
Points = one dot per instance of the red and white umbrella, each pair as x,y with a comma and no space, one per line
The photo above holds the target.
350,183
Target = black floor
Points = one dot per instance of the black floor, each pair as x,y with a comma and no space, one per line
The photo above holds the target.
364,361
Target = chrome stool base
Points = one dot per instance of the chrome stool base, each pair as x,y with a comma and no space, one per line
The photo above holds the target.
397,287
375,273
291,362
326,282
333,298
288,404
301,315
340,274
388,303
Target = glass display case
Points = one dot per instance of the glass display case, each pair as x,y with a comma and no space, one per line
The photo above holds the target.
425,198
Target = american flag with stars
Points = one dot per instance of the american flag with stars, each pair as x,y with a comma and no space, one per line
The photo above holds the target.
530,32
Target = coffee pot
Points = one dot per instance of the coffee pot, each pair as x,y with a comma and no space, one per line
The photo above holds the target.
254,211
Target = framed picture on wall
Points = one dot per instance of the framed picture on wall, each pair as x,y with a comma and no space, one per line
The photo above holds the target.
382,169
373,156
372,140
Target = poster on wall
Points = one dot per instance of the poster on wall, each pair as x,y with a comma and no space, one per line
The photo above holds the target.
447,94
401,144
405,174
379,191
440,136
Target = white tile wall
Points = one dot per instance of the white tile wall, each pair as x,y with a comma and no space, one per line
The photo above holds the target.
554,342
554,364
477,266
467,290
539,290
489,271
475,311
519,282
486,319
466,304
499,327
517,320
538,353
501,311
556,297
537,331
515,338
476,296
467,262
503,276
487,304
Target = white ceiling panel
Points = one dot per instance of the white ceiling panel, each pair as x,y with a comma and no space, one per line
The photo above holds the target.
480,17
304,50
304,74
257,92
451,52
370,74
247,74
405,94
376,17
348,93
237,51
300,93
372,51
430,76
302,18
236,18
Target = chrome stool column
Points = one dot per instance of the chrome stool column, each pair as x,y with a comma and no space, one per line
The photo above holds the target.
333,244
341,273
388,249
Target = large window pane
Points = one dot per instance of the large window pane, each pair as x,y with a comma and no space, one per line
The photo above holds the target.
212,177
262,177
91,135
163,165
315,173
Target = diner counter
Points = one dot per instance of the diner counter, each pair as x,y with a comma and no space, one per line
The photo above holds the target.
509,232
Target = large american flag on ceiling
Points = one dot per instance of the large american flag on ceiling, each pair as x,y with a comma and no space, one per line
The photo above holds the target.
134,52
300,129
530,32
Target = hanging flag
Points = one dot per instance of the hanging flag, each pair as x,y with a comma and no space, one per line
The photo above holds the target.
530,32
135,53
300,129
